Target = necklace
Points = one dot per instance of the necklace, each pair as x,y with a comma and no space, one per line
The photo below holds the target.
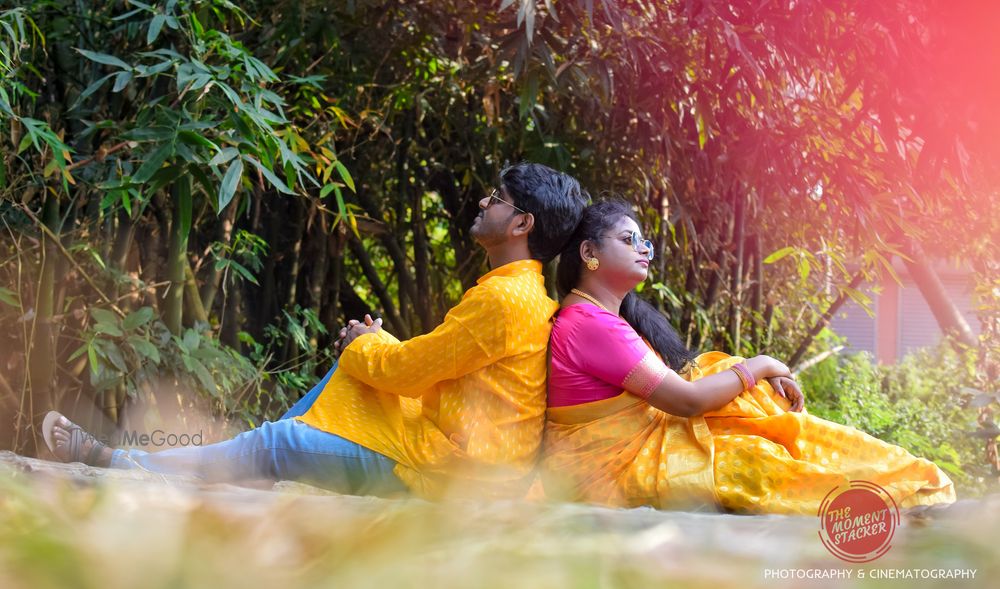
584,295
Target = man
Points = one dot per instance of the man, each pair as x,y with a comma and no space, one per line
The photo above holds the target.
459,410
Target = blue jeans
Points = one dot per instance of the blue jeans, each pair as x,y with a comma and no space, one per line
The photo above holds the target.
287,449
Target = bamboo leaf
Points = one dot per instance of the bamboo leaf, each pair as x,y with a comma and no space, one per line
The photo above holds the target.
224,156
108,329
155,26
778,255
103,315
153,163
271,177
127,15
196,140
345,175
92,356
121,80
144,348
105,59
94,87
78,352
137,318
110,351
229,183
242,271
191,340
203,375
9,297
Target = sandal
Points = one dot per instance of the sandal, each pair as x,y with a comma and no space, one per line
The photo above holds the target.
77,438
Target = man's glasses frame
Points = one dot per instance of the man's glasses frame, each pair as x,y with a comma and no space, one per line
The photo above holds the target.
495,195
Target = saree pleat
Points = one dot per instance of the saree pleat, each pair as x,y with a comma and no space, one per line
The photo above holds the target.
750,456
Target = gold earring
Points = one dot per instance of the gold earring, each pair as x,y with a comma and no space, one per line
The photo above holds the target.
593,264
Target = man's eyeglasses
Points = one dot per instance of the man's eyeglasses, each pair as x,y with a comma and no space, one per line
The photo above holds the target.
495,195
635,238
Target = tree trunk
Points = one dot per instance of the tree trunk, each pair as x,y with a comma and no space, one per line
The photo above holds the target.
398,325
410,294
462,210
393,248
823,321
330,315
691,280
177,255
123,241
757,296
224,236
231,316
193,308
736,279
319,273
421,256
42,349
712,291
265,308
948,317
291,296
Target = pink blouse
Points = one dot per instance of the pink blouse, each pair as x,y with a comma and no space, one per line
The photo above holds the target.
594,355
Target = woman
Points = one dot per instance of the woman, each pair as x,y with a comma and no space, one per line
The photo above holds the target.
713,429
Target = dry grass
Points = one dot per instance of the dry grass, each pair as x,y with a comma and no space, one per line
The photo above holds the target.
91,528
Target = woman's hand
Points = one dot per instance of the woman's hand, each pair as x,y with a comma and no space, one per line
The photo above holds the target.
764,367
789,389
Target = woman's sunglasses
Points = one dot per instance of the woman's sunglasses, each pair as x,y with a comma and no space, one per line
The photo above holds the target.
635,238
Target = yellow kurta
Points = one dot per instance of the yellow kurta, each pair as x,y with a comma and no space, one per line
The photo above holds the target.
752,455
461,409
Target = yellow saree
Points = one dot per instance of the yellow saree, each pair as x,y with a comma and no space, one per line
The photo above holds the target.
750,456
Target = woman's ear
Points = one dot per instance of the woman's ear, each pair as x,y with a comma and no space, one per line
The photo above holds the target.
587,250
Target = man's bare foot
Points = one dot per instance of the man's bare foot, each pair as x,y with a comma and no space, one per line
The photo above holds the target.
70,443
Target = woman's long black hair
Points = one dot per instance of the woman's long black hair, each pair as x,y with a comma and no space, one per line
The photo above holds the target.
597,220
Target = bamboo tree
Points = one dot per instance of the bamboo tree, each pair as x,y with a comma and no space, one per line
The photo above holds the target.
173,309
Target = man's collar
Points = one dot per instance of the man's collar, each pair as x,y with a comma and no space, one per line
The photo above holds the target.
513,269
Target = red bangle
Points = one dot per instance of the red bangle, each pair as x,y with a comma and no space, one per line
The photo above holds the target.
747,377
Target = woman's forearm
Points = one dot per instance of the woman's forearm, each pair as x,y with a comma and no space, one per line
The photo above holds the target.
687,399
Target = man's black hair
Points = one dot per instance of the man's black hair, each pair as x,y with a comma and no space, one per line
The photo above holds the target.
555,199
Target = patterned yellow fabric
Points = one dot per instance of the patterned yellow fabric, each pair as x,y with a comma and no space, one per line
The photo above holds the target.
461,409
752,455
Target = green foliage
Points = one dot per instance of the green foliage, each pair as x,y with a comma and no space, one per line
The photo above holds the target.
312,161
918,404
138,353
297,328
243,256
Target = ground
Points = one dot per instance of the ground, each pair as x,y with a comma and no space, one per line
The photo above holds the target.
77,526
